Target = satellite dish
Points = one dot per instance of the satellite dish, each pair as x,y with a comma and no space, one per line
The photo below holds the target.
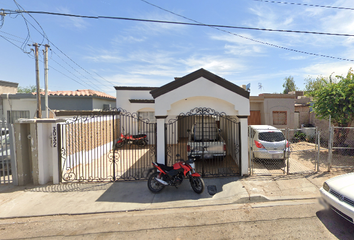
248,87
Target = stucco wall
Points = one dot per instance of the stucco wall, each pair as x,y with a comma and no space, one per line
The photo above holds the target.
187,104
123,96
97,104
8,89
287,105
20,105
202,87
304,114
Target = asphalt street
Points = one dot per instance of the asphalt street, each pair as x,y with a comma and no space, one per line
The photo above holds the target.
300,219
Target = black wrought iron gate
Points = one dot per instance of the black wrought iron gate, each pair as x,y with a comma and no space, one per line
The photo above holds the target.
89,150
212,137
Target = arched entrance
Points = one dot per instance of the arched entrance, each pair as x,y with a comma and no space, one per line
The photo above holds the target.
211,136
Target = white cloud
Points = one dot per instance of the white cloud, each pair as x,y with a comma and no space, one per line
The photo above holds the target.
326,69
72,22
240,46
105,58
267,18
148,28
128,39
217,64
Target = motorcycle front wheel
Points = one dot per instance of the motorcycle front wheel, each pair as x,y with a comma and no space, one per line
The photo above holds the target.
153,185
197,184
141,143
120,144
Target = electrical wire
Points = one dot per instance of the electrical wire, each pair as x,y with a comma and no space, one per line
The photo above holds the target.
52,44
251,39
90,86
74,69
305,4
45,37
7,39
184,23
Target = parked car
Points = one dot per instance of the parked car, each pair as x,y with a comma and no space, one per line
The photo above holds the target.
338,194
206,140
267,142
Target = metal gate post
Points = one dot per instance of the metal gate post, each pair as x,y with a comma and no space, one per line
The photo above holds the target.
59,127
203,174
288,155
114,148
250,149
318,150
330,145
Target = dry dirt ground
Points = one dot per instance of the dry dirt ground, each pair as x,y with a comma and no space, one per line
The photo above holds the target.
306,154
304,158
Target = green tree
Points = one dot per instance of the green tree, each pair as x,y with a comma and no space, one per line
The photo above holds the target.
336,99
29,89
289,85
312,84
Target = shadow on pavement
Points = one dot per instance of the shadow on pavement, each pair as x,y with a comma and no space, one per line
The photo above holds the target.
138,192
338,226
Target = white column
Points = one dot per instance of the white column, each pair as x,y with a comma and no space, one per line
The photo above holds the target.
160,144
244,145
54,153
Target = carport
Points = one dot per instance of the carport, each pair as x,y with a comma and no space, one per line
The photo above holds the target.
202,93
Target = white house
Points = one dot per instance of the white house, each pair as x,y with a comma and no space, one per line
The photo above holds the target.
198,90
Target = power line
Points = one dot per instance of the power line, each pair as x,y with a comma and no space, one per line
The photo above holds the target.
74,70
7,39
182,23
90,86
42,32
251,39
306,4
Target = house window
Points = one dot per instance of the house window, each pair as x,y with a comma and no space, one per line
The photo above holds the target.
12,116
279,118
145,120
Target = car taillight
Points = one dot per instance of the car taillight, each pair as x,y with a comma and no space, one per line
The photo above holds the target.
287,144
258,144
188,148
224,147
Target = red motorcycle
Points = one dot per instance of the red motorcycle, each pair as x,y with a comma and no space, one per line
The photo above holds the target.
173,176
139,140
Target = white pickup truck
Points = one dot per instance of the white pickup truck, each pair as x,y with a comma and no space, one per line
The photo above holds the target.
206,136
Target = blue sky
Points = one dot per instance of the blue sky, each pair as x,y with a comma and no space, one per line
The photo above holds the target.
99,54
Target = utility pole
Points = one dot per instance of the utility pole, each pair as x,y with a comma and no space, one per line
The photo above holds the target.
46,78
39,107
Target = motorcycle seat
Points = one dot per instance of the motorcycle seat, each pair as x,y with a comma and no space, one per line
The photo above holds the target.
164,167
139,136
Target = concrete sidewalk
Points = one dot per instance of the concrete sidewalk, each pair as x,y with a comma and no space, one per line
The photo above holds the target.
83,198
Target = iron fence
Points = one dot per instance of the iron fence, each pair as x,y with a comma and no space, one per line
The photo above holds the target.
5,153
209,136
268,150
306,150
285,151
341,148
106,146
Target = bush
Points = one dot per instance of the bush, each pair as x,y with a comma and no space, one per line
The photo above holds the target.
299,136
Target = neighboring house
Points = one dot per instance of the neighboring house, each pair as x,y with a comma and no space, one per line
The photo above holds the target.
6,88
24,105
272,109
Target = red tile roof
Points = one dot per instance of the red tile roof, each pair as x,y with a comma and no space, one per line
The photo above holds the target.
85,93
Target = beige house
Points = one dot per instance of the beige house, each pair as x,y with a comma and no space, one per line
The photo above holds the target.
277,110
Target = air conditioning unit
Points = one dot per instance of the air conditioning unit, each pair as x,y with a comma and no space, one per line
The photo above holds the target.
106,107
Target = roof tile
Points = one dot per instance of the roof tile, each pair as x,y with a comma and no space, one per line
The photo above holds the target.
84,92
